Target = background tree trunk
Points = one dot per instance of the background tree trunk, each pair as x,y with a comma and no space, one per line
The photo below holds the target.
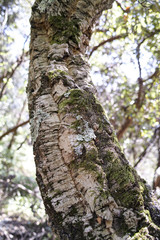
88,188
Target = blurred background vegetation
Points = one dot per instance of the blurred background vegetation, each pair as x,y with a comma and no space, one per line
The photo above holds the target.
124,54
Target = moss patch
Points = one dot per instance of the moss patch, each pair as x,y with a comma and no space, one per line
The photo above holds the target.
109,157
56,74
122,174
88,162
142,235
64,29
124,185
81,101
92,155
75,100
88,166
130,198
115,140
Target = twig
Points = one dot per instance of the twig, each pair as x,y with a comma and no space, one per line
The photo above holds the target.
13,129
18,121
9,74
21,144
149,145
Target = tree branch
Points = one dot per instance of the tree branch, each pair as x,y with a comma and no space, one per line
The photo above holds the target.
139,100
124,127
106,41
9,74
155,74
13,129
147,147
127,10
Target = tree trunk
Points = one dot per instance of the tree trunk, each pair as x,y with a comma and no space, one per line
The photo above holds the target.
88,188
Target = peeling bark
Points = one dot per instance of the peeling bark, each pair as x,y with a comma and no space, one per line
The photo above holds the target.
88,187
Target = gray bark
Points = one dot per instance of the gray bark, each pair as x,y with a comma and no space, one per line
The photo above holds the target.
89,189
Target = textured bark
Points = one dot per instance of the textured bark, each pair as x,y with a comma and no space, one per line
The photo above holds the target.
88,188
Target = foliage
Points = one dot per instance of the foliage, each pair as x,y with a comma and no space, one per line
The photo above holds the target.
125,55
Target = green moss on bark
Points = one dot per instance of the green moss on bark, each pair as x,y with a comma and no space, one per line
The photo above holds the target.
75,100
123,182
81,102
56,74
92,155
64,30
142,235
121,174
89,166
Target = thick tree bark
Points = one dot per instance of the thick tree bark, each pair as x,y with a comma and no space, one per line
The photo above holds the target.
88,188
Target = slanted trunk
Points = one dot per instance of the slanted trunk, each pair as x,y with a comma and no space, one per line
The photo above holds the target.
88,188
